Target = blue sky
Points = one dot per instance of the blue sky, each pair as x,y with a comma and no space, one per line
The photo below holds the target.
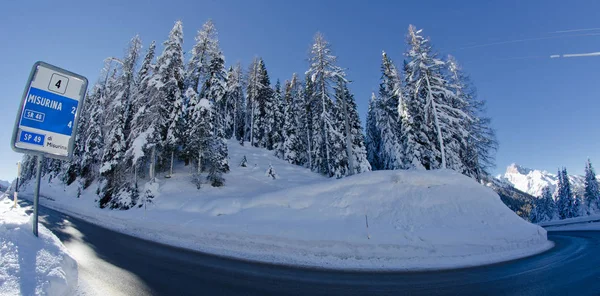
545,110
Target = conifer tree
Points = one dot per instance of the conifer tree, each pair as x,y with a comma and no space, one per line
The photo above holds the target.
305,120
235,92
214,91
349,120
93,138
207,44
373,136
277,138
479,145
436,125
200,132
259,104
233,102
142,119
326,137
564,197
544,208
113,167
591,195
386,116
293,148
166,98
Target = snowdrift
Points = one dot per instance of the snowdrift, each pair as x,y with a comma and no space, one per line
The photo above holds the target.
417,220
30,265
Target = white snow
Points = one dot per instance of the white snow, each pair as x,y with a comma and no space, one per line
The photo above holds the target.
30,265
575,220
417,219
138,145
576,227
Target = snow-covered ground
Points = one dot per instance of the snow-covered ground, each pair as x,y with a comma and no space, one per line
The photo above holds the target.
594,226
416,219
575,220
30,265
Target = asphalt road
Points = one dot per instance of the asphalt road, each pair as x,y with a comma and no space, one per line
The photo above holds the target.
112,263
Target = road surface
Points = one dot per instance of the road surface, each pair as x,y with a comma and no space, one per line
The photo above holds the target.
112,263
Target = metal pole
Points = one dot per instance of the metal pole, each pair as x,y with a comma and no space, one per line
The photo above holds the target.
36,193
17,183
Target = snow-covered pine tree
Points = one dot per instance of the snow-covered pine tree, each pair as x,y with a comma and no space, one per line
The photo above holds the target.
93,138
141,121
129,89
544,208
591,195
326,136
578,205
113,165
200,134
536,209
386,116
293,150
373,136
232,95
349,120
166,98
305,120
276,133
259,104
207,44
251,105
214,91
564,197
235,93
477,155
549,206
441,126
73,166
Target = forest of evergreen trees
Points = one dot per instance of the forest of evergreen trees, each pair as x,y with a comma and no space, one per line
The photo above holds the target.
145,113
564,203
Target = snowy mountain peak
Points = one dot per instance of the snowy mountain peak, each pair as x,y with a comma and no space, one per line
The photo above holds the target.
514,168
533,181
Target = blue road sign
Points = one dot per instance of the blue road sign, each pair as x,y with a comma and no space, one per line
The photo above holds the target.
46,122
32,138
49,112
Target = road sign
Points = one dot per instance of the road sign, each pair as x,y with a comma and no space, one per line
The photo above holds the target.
46,122
47,119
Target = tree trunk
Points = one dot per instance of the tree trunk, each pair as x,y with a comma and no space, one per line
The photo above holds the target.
199,161
152,164
348,137
437,123
171,168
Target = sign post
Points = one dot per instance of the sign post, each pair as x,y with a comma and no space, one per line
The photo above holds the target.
46,122
17,183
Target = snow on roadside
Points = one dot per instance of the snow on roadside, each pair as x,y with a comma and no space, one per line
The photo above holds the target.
30,265
594,226
417,219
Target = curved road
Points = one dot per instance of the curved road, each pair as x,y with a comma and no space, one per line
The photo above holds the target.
112,263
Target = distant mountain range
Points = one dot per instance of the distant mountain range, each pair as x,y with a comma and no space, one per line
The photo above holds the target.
533,181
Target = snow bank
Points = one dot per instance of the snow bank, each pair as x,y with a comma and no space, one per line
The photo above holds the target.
417,220
590,226
574,220
30,265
